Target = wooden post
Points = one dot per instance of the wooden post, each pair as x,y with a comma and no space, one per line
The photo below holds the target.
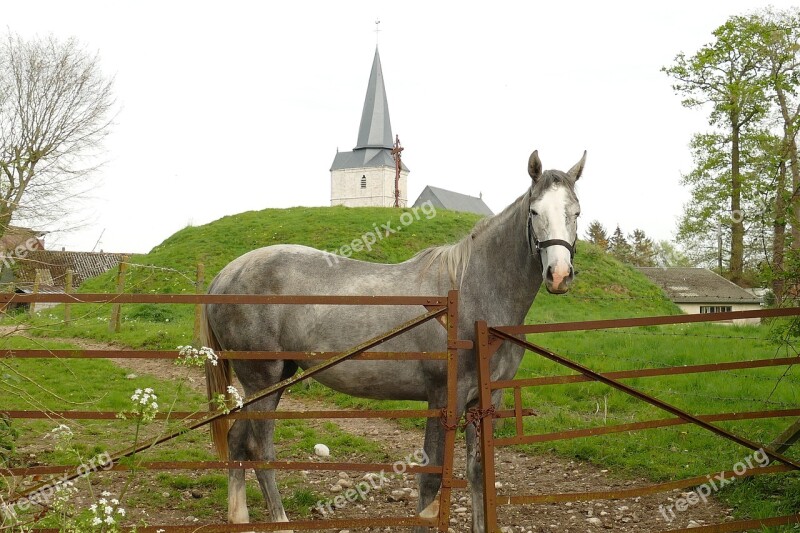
115,324
36,282
199,288
68,290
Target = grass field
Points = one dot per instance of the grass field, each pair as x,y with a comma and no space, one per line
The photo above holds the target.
603,289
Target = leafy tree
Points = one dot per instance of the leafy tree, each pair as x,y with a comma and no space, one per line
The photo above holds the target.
668,255
724,77
619,247
596,234
777,41
643,250
55,109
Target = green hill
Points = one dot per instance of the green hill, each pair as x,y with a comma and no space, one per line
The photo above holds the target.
602,283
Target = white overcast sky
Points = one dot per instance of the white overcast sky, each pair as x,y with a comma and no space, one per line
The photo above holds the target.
233,106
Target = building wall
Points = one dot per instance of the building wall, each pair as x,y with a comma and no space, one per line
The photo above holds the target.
694,309
379,192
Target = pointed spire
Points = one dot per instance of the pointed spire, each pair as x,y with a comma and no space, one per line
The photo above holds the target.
376,128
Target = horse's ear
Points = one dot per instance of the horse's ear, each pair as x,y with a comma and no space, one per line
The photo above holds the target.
576,171
535,166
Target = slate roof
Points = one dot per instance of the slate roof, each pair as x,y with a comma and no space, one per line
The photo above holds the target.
53,265
454,201
375,139
375,130
365,158
697,285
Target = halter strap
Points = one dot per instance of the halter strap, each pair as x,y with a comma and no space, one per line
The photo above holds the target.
535,244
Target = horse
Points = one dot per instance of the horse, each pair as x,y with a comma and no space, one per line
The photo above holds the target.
498,268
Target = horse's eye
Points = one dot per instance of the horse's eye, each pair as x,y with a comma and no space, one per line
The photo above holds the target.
534,213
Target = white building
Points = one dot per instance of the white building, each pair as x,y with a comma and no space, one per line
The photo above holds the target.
366,175
699,291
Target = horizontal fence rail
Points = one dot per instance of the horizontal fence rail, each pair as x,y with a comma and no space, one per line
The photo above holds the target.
104,298
489,339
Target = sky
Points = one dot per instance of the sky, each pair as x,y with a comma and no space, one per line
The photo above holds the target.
226,107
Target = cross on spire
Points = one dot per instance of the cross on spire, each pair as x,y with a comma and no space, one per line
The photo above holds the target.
377,30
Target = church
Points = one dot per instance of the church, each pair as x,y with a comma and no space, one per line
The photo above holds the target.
367,176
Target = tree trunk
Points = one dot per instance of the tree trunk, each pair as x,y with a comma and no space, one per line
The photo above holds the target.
779,237
736,216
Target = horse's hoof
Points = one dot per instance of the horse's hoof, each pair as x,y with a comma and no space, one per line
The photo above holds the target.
431,511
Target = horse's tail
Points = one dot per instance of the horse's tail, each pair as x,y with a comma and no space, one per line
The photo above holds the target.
218,378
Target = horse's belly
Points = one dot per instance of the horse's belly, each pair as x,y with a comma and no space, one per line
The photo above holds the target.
382,380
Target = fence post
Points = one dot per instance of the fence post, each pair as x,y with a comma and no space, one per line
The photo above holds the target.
68,290
199,288
115,324
450,412
484,355
37,281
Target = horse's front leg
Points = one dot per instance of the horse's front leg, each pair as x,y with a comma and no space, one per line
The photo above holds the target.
475,470
429,484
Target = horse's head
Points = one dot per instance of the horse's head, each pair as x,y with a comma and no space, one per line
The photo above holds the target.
553,221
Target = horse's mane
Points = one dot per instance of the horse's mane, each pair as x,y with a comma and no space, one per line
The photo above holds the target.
454,258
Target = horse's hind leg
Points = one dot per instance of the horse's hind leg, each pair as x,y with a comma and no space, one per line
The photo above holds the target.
254,439
237,500
265,433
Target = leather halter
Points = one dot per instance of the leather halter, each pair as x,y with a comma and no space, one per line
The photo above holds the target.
535,244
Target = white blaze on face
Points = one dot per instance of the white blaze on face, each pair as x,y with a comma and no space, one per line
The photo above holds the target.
556,219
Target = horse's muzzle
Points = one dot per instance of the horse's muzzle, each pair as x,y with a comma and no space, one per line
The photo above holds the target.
558,280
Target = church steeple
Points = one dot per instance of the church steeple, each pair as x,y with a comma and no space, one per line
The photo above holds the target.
376,127
367,175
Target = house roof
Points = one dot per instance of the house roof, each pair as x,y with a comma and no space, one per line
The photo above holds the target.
53,265
697,285
14,236
454,201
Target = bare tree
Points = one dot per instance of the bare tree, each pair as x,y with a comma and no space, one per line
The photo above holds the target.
55,110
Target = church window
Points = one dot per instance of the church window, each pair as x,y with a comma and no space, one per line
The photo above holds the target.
364,181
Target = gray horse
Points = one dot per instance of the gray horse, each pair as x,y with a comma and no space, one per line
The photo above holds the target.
498,268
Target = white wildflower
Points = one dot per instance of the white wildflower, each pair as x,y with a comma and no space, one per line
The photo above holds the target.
191,356
144,407
235,396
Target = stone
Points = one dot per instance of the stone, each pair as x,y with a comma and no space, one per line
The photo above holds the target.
460,510
595,521
320,450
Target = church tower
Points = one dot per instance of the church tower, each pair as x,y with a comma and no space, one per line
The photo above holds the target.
366,175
